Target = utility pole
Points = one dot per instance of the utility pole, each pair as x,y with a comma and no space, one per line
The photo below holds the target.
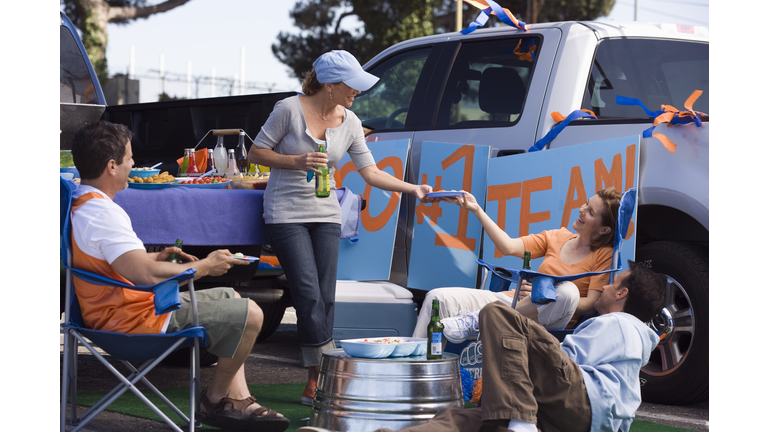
242,70
636,9
189,80
162,73
459,15
533,11
213,82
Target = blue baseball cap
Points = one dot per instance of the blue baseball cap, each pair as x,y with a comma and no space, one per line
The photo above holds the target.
341,66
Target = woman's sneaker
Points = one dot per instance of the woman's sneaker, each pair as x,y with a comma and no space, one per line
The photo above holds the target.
460,328
309,393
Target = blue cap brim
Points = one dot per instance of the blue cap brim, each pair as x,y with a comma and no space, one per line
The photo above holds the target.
362,82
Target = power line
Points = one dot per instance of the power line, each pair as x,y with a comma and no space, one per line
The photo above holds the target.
229,85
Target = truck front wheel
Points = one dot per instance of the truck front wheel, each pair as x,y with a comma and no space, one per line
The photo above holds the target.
678,370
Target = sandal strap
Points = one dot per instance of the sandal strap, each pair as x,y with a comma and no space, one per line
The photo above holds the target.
210,407
263,412
240,404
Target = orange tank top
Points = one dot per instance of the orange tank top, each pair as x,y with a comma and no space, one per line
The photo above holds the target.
111,308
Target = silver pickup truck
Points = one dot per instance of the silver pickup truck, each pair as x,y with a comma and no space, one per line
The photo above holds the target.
499,86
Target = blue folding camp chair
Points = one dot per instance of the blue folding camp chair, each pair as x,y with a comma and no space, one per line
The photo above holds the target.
149,348
543,289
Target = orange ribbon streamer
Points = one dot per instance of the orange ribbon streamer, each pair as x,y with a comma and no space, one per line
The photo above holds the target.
672,116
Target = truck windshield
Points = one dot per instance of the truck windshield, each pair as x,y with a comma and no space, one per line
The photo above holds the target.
75,84
657,72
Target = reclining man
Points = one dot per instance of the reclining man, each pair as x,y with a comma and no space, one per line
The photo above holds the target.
103,242
590,383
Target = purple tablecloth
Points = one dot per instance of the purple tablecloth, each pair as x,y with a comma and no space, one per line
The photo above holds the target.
200,217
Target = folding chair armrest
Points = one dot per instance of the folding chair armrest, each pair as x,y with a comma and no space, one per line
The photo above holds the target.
166,292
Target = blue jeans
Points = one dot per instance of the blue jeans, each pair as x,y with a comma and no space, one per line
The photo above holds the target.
309,253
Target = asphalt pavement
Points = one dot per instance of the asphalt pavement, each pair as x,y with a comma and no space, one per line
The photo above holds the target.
276,360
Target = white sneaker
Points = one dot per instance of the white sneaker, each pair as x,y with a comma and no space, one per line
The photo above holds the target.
311,429
460,328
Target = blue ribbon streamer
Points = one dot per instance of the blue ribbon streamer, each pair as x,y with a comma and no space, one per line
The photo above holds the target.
482,18
540,144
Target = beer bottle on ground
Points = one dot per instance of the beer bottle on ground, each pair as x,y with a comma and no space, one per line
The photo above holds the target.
435,334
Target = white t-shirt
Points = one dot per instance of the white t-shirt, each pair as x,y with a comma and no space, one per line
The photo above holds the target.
101,228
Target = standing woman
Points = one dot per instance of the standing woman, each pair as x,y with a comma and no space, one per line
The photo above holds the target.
303,229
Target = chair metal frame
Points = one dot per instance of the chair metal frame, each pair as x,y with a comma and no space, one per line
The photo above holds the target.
148,349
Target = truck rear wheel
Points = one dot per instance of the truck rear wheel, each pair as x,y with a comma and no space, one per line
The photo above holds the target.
273,315
678,370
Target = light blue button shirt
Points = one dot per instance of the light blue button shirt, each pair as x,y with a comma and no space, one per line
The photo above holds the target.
610,350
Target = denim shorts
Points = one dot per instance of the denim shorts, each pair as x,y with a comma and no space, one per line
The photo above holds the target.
221,314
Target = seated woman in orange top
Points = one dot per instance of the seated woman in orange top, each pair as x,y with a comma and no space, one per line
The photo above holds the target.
565,253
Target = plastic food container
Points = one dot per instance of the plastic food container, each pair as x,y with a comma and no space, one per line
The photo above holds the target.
143,173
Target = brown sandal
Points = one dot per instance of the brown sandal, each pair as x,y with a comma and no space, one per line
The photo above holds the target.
228,414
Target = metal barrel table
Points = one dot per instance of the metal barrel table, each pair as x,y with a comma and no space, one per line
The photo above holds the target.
362,394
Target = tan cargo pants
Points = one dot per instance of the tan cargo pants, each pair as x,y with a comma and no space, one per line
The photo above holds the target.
526,376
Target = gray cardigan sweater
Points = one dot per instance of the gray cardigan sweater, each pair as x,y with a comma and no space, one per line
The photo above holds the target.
289,198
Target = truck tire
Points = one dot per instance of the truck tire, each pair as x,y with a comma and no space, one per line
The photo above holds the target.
273,315
678,370
180,357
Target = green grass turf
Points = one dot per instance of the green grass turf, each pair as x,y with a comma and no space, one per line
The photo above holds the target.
283,398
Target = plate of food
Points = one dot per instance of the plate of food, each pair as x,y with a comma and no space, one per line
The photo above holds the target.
156,181
245,257
203,183
445,194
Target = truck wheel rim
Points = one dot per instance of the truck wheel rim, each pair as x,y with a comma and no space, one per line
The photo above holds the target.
675,325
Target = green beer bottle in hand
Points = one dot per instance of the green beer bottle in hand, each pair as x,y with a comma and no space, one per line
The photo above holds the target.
435,334
174,257
527,260
322,180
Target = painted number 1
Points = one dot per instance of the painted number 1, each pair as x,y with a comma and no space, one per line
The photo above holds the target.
460,240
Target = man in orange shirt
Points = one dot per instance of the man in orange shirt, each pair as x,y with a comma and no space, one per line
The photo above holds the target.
103,242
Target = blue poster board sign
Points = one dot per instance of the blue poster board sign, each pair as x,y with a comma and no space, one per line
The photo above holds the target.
534,192
446,239
370,257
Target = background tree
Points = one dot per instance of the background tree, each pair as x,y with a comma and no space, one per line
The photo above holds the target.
386,22
92,16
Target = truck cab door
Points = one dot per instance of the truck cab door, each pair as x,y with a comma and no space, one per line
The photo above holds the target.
486,90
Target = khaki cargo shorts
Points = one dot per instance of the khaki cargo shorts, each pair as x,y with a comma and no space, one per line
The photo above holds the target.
221,314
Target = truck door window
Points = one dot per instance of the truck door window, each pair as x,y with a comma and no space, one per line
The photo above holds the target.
385,105
75,84
488,83
657,72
